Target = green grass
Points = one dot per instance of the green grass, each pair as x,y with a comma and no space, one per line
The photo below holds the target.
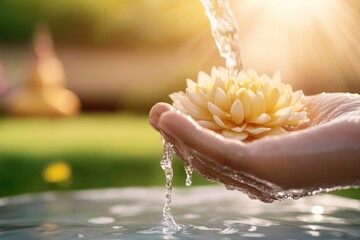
112,150
112,134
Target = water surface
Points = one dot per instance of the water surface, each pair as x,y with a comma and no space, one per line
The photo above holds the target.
202,213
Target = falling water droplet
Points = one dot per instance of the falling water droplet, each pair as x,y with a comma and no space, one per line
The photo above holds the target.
189,170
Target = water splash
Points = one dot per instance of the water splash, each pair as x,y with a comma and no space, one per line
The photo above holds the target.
225,32
168,222
252,186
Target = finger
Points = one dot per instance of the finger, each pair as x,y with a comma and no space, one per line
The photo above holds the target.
328,106
156,112
228,152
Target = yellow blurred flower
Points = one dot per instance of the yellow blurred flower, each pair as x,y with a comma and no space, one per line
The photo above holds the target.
244,107
57,172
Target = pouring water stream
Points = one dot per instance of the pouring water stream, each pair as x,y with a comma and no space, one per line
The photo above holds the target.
225,31
226,35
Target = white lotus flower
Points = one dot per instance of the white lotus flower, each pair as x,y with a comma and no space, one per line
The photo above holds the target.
244,107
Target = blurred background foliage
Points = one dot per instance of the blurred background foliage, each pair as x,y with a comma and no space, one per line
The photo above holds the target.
102,23
122,56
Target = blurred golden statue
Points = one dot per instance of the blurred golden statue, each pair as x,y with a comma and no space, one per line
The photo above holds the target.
44,92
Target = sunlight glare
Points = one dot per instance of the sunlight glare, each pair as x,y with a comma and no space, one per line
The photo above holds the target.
291,7
313,43
296,11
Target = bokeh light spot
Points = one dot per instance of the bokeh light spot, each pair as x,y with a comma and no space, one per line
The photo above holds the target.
57,172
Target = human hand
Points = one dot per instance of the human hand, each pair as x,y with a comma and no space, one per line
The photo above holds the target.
319,155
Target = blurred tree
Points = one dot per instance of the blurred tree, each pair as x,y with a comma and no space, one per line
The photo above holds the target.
17,19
